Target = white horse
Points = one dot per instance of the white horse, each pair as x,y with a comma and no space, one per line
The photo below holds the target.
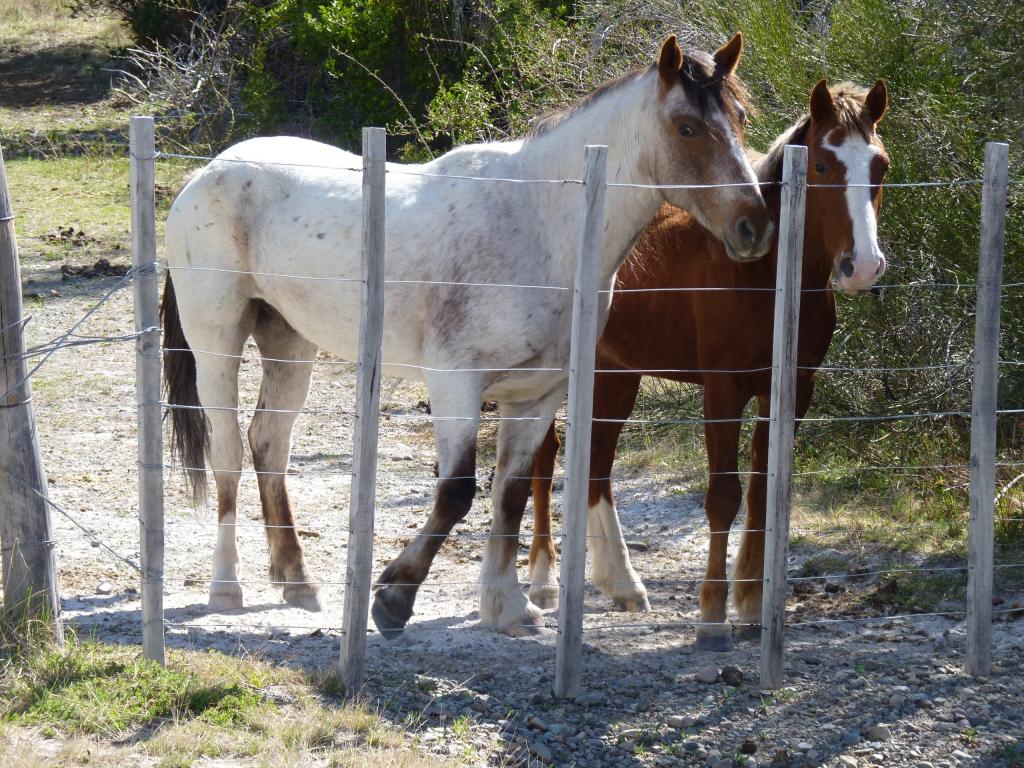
265,241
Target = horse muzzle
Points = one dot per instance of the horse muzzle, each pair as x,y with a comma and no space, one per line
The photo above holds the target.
858,273
750,240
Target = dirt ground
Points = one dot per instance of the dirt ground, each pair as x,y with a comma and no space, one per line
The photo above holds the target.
866,692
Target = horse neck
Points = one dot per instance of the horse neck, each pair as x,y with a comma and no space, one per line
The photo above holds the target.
816,271
624,119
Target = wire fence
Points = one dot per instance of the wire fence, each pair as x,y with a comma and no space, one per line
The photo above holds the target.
655,620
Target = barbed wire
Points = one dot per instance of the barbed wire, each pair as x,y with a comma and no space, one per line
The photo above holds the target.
62,341
91,535
407,171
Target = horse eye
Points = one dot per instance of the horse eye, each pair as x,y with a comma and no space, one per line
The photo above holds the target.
685,130
819,168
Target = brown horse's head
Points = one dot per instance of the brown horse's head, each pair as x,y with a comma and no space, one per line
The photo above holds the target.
846,157
702,110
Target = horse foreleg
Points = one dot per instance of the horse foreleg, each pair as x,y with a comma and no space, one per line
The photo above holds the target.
612,572
455,439
721,506
283,391
503,605
748,579
543,558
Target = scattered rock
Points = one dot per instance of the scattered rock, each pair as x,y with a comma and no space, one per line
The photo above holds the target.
732,675
748,747
104,588
848,761
679,722
102,268
543,751
707,675
879,732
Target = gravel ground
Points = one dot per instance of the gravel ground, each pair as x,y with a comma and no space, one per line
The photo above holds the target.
870,692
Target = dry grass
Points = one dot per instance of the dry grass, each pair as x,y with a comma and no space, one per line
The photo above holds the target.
99,705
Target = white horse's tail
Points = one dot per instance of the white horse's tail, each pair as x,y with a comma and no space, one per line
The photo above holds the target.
191,438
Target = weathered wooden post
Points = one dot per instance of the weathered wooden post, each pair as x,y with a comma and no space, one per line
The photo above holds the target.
142,154
569,655
783,410
26,533
983,411
359,569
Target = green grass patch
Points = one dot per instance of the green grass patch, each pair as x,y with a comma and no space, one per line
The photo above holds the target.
97,689
106,705
88,193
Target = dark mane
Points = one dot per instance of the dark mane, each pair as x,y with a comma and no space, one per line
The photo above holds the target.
703,85
848,100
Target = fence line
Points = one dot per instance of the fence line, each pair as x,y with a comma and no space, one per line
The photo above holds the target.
359,562
147,333
984,411
141,137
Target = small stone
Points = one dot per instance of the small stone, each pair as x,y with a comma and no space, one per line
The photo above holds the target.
536,723
804,746
924,764
781,757
879,732
481,704
714,757
679,722
748,747
847,761
852,736
104,588
541,750
732,675
707,675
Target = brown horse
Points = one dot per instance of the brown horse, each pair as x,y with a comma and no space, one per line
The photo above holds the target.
722,340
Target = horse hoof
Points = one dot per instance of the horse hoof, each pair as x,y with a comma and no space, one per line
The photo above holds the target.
633,603
525,626
749,632
226,601
306,599
714,638
545,597
389,623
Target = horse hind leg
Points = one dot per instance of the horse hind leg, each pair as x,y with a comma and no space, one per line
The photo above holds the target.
218,347
287,368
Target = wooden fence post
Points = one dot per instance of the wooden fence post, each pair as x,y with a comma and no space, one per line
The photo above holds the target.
359,569
26,534
783,408
142,154
569,656
983,411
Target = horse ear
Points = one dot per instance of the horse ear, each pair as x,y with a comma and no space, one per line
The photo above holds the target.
670,60
877,101
822,107
728,56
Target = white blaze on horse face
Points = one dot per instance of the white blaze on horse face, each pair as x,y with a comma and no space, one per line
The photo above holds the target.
738,156
856,155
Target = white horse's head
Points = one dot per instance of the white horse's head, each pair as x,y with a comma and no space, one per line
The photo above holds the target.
698,139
